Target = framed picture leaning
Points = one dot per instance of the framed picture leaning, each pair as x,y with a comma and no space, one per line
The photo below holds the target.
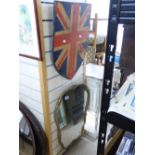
29,39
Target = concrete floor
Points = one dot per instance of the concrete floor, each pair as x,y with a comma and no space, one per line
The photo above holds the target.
84,146
25,148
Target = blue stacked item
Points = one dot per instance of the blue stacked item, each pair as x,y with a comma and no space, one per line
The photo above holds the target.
127,145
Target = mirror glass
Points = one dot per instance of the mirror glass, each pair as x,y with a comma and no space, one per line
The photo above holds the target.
26,138
70,115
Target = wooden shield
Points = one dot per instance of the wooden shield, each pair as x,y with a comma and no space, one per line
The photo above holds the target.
71,29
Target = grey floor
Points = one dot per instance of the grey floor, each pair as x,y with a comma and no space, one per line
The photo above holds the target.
84,146
25,148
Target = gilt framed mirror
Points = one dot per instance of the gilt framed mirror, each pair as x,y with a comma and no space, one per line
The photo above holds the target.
70,114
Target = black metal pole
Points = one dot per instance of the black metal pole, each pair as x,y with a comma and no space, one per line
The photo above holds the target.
108,71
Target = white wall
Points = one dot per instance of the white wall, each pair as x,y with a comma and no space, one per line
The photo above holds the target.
29,86
29,78
56,83
101,7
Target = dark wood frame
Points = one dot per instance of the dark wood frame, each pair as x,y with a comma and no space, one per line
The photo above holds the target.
40,138
38,35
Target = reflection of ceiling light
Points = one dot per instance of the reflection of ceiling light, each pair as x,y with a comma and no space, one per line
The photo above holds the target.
64,41
80,36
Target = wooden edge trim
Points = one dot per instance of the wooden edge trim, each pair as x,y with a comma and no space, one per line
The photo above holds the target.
43,81
95,24
112,141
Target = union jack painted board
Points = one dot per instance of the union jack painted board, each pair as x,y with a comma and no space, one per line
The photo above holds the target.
71,29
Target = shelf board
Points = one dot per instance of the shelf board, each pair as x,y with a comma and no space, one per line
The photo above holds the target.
121,121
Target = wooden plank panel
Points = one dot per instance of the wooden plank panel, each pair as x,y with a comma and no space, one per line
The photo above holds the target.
47,28
112,141
47,11
44,13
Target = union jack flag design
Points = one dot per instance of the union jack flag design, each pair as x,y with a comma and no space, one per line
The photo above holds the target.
71,27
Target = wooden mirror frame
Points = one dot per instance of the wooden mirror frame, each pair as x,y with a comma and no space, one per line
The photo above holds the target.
41,143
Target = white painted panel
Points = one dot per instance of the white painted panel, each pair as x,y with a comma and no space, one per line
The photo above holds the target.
80,1
47,0
48,44
79,73
77,81
57,150
54,135
53,95
56,94
29,70
53,126
30,92
51,72
43,126
28,60
39,116
47,28
52,106
47,11
60,81
56,82
55,143
52,118
29,82
31,103
48,58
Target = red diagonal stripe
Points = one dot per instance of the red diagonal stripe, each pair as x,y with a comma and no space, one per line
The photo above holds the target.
61,58
72,56
61,17
84,16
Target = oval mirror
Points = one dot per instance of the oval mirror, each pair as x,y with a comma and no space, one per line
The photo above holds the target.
70,114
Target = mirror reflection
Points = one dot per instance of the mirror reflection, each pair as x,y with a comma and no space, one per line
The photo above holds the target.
26,138
70,114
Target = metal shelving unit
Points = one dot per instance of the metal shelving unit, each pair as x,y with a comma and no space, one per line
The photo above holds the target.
120,12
